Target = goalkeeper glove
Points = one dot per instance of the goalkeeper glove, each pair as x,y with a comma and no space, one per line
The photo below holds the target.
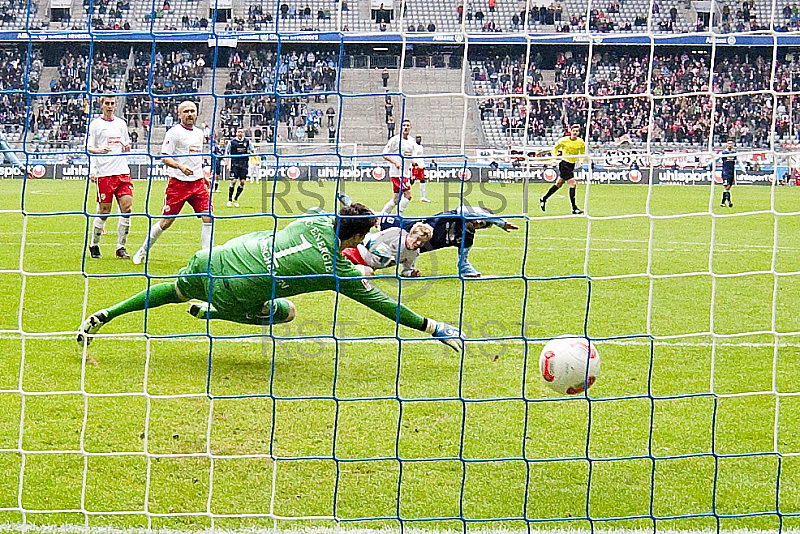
449,335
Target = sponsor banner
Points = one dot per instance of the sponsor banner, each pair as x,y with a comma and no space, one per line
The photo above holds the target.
624,157
698,177
629,176
59,171
550,175
452,174
11,171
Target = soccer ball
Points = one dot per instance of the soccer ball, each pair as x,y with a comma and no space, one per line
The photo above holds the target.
563,364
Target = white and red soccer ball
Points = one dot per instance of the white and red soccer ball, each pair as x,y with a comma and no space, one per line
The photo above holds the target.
564,362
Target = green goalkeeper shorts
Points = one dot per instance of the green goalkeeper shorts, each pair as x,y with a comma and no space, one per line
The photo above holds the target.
195,287
196,278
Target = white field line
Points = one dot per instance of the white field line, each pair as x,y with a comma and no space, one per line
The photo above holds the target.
201,337
347,529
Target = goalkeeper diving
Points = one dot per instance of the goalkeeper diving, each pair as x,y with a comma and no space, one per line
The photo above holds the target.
247,279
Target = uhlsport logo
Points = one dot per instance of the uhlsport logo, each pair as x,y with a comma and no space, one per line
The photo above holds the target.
465,174
635,176
717,177
293,173
38,171
378,173
550,175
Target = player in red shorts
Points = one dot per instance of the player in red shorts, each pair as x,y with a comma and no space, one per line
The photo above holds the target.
182,153
399,152
108,168
418,170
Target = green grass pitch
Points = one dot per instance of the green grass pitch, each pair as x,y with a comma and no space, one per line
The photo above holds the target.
650,428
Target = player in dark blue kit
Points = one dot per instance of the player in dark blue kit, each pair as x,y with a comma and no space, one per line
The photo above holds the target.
729,161
239,149
448,230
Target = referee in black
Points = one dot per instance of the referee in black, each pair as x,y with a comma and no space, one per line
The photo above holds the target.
239,150
729,161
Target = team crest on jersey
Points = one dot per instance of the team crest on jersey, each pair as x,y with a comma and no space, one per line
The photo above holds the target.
366,283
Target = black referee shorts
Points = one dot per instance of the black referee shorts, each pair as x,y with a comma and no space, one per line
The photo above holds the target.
566,170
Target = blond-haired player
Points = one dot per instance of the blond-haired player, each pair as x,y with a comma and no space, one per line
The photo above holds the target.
390,247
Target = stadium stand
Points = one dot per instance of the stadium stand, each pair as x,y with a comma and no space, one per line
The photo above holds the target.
502,114
749,15
175,72
58,121
672,16
296,71
668,16
163,15
679,120
20,14
12,103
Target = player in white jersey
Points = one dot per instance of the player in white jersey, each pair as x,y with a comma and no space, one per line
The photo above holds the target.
182,153
400,152
108,168
389,247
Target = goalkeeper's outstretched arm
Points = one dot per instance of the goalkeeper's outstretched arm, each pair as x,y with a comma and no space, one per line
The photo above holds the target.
359,289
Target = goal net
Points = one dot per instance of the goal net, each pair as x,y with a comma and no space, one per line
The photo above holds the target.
684,281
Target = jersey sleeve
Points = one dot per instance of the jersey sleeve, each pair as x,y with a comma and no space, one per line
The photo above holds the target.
476,213
168,146
126,138
354,286
557,148
382,254
392,147
92,136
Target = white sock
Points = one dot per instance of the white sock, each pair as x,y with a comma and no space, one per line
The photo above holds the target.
205,236
422,189
155,233
389,206
123,229
97,231
403,204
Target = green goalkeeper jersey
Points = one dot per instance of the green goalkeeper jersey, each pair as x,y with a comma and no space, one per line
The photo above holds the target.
252,269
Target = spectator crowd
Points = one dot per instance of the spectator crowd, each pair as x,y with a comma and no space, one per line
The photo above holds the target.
679,83
253,73
176,72
13,104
